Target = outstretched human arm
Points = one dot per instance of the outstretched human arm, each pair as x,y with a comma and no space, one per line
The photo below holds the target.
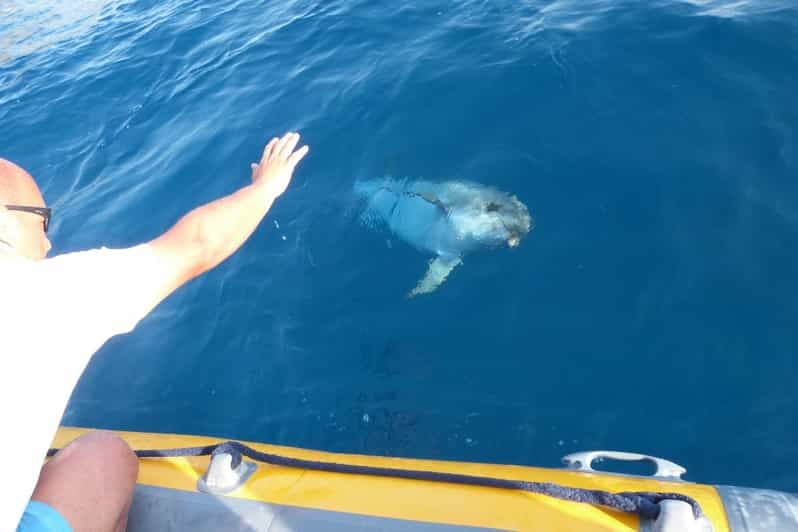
209,234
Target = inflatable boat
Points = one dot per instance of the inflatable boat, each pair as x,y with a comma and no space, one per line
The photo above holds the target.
203,484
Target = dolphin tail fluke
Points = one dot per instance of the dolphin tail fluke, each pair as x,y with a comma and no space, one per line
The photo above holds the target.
439,269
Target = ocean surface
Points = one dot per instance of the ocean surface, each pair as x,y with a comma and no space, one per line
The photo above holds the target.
654,307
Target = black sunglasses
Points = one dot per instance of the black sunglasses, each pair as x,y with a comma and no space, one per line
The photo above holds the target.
44,212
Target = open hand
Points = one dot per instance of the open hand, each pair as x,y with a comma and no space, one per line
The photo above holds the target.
277,163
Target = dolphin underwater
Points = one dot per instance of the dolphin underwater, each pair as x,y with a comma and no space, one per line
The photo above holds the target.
445,219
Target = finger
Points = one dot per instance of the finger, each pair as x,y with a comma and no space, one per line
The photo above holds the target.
254,168
297,156
290,143
267,151
278,147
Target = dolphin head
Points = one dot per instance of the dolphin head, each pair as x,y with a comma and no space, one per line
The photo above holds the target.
515,220
496,218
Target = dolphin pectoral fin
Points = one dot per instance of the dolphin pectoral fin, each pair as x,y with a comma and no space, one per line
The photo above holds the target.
439,269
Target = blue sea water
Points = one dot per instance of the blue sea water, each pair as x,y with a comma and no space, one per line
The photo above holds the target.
652,309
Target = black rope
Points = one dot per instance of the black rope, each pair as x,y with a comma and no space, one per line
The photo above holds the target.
643,503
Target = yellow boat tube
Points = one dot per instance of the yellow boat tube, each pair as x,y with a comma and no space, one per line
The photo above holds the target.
199,494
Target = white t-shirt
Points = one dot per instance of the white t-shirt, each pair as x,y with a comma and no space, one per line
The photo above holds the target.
54,315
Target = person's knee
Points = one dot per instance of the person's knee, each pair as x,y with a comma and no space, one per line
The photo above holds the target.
104,449
90,482
111,450
116,453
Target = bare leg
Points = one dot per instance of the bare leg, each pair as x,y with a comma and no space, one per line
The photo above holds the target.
90,482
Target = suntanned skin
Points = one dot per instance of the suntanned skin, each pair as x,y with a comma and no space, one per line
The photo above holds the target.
91,481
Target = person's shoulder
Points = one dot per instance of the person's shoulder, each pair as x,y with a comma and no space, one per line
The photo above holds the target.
103,252
99,262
